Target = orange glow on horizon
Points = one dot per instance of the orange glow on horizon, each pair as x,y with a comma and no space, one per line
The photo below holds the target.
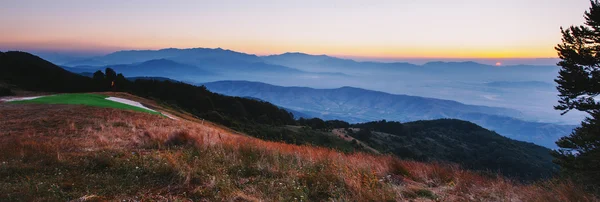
270,48
357,29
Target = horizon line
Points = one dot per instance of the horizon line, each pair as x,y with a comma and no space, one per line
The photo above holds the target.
106,52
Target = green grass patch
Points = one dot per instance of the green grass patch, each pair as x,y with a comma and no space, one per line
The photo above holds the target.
84,99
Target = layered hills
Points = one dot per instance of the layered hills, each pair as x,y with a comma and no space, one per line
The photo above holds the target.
361,105
235,148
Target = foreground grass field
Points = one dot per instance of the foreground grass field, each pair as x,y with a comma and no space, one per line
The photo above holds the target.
65,152
88,99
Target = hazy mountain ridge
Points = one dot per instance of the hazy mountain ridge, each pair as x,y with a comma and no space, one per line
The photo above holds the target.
203,57
337,99
136,56
467,82
521,84
150,68
328,63
359,105
210,64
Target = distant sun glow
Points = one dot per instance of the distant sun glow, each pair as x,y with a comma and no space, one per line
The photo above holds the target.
498,64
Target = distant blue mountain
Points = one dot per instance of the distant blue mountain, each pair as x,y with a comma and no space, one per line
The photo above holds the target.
160,67
79,70
359,105
231,62
217,61
151,68
324,63
432,70
151,78
189,56
84,62
227,61
521,84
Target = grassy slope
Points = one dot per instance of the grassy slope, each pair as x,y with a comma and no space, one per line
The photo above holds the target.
84,99
61,152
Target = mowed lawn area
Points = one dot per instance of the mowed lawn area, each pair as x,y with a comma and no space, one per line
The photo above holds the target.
84,99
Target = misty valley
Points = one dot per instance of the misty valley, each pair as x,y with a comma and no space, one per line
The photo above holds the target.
515,101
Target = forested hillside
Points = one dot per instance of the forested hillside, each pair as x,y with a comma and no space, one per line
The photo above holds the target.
458,141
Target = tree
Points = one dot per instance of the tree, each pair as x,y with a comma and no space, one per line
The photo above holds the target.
579,87
111,77
121,83
99,81
98,76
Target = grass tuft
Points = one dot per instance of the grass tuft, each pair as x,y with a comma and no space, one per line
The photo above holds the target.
180,138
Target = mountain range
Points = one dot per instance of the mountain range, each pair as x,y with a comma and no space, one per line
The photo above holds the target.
360,105
186,64
434,69
221,60
520,97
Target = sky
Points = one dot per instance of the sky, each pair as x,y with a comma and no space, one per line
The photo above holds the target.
374,29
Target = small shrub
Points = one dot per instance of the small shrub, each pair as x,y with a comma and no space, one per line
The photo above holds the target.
318,184
180,138
397,168
148,141
424,193
409,194
120,124
100,161
441,173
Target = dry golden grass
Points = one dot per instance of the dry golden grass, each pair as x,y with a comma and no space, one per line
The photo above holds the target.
60,152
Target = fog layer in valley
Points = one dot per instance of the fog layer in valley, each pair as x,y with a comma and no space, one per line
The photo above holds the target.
526,88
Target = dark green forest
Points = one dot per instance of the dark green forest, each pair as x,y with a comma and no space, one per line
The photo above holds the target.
462,142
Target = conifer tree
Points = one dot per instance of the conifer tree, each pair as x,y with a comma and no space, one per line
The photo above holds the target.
579,87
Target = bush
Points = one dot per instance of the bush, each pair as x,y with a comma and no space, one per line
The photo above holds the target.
397,168
180,138
424,193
